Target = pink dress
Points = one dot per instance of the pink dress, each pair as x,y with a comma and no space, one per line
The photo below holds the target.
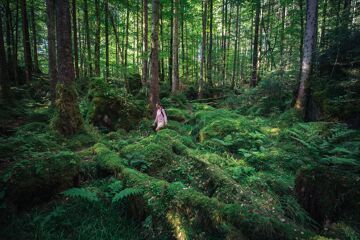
161,118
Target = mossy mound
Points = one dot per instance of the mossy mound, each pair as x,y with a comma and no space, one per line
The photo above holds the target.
110,108
30,182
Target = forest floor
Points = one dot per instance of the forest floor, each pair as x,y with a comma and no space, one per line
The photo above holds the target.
212,173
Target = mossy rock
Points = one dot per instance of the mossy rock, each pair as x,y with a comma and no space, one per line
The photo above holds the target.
176,114
329,194
110,109
30,182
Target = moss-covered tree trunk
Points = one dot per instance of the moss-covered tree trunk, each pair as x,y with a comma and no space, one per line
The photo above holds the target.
68,119
26,42
175,49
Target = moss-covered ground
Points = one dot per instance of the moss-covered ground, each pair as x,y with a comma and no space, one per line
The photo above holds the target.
215,172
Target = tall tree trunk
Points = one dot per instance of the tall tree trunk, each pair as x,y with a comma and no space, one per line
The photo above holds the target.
300,3
225,12
203,49
26,42
154,94
51,27
170,44
175,48
209,62
126,46
15,44
69,120
323,25
106,40
75,40
88,42
4,76
282,39
162,64
254,75
235,45
309,48
145,44
97,38
33,26
117,43
9,41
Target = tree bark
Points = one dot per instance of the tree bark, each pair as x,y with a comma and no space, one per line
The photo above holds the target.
126,46
97,38
254,75
88,42
75,42
308,50
9,41
4,76
15,43
145,44
26,42
170,44
33,26
51,27
209,62
175,48
68,120
106,41
154,94
203,49
236,45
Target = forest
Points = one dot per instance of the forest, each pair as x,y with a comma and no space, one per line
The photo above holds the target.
257,115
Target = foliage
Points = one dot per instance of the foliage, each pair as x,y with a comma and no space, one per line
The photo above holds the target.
127,192
83,193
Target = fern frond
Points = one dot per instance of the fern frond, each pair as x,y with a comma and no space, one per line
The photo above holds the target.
126,193
81,193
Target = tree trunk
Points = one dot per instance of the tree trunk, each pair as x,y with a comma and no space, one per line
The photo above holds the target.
282,39
175,48
126,46
145,44
15,44
51,27
4,76
236,45
9,41
254,75
154,94
97,38
33,26
323,25
106,41
170,44
75,42
68,120
203,49
209,63
225,13
88,43
309,48
300,3
26,42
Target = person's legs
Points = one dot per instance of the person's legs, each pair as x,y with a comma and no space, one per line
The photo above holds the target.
159,126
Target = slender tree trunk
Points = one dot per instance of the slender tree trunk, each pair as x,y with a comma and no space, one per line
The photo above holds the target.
4,76
75,40
97,38
175,47
209,63
323,25
9,40
203,49
254,76
162,64
26,42
300,3
117,43
69,120
106,40
308,51
51,27
225,12
33,24
145,43
282,40
15,44
126,46
170,44
235,45
88,43
154,94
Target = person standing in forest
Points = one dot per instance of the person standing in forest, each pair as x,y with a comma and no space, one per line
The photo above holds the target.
161,118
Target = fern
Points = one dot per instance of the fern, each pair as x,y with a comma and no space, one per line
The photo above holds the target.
81,193
126,193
